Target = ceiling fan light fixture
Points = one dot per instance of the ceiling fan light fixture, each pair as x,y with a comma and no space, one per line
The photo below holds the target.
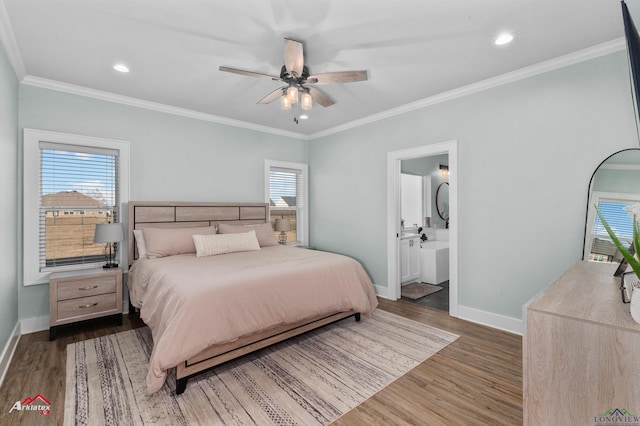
285,104
292,94
306,101
295,76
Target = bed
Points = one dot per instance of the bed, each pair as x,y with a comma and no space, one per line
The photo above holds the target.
205,309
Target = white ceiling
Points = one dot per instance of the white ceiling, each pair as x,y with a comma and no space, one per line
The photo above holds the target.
412,49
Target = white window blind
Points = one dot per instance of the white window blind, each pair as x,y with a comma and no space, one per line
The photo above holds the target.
286,194
602,247
618,219
78,189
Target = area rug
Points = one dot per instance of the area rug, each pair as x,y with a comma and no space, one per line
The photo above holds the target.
309,380
417,290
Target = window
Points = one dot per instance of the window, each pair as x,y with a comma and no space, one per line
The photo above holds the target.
71,184
286,192
599,247
84,179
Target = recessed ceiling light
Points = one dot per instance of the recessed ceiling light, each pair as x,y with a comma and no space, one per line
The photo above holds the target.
121,68
504,38
304,117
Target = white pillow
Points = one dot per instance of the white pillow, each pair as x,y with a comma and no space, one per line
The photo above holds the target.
142,247
214,244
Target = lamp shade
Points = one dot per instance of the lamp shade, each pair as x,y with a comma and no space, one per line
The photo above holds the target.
285,103
292,94
306,101
108,233
283,225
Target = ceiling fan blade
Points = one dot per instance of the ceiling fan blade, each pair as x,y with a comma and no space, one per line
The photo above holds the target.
293,57
248,73
337,77
276,94
320,98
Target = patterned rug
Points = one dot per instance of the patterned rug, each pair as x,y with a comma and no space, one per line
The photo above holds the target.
417,290
309,380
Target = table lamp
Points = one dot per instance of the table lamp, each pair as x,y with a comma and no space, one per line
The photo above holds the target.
283,225
109,233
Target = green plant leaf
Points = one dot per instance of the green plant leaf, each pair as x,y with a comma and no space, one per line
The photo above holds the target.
636,236
631,259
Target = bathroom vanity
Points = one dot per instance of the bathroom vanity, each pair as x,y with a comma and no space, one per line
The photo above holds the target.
410,258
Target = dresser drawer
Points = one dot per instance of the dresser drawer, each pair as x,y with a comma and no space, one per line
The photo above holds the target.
85,306
83,287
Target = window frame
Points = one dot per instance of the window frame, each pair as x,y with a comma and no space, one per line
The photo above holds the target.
302,211
31,196
596,197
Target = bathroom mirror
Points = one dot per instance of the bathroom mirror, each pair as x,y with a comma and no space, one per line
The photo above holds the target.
613,186
442,202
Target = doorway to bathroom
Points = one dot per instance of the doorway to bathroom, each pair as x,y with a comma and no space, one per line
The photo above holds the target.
424,238
442,218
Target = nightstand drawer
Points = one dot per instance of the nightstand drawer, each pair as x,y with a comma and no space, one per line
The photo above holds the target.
91,286
84,306
76,296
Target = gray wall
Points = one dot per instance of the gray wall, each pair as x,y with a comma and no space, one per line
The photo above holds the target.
9,192
526,152
172,158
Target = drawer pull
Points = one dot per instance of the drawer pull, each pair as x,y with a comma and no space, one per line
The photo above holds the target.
88,305
88,287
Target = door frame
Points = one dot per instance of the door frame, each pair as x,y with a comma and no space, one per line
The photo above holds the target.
394,159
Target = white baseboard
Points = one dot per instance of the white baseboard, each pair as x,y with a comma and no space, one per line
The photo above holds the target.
8,351
381,291
501,322
32,325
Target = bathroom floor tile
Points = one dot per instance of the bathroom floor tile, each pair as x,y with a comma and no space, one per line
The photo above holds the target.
439,300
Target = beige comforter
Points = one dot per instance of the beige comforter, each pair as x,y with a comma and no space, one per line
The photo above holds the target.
191,303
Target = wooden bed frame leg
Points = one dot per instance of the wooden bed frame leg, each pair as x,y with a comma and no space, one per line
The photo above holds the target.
181,385
357,315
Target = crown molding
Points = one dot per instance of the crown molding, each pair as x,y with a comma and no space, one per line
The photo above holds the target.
540,68
154,106
10,44
533,70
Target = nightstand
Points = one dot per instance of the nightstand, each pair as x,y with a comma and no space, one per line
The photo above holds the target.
82,295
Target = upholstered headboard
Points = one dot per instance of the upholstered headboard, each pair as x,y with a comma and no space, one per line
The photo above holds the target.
160,214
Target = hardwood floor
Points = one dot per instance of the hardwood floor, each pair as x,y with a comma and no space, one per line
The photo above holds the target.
477,380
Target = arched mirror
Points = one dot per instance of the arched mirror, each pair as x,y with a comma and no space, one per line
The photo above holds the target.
442,202
614,185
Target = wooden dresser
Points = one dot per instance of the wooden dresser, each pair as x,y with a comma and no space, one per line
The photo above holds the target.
82,295
581,350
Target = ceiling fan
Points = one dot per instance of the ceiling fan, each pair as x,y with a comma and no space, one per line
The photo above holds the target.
299,81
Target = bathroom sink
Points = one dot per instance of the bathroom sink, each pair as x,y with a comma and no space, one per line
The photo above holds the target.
435,245
410,235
